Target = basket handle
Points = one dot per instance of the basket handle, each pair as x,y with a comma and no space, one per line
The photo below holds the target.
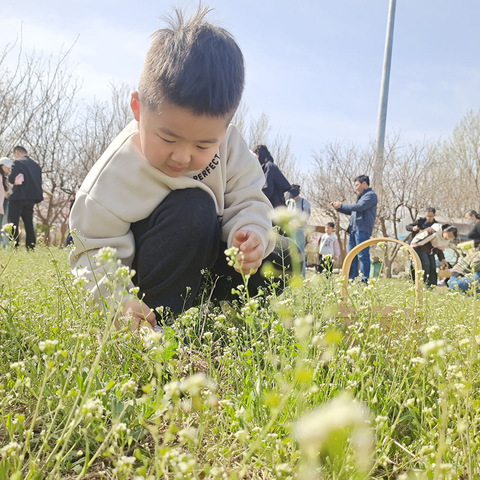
373,241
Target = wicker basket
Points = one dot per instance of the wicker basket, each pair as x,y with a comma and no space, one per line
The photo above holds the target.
349,312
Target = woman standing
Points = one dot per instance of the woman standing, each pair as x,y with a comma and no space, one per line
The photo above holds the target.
473,218
5,167
275,182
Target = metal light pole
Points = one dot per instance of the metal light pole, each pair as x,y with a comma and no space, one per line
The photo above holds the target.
382,113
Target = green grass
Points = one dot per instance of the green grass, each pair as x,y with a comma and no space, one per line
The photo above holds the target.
270,388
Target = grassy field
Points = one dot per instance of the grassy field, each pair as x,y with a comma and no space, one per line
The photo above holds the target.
266,388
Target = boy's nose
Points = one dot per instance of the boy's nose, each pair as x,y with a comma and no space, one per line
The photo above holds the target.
181,156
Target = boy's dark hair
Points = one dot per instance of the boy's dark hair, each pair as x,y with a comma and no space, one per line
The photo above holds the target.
263,154
331,224
431,210
20,149
195,65
362,178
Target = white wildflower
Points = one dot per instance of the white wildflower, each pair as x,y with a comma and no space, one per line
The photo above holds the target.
188,434
12,449
241,435
128,386
48,346
92,408
106,256
195,383
353,352
314,430
434,347
290,220
172,389
303,326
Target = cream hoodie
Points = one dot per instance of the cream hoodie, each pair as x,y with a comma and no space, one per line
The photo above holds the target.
122,188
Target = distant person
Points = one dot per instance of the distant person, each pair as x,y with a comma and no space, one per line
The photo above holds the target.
418,226
466,272
362,220
473,219
275,182
178,185
26,177
422,222
328,250
429,243
5,187
299,204
69,239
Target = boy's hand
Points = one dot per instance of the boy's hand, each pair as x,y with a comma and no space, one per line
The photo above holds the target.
251,247
138,314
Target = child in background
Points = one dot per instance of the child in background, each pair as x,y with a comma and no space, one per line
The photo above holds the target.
466,271
430,242
328,249
438,235
178,185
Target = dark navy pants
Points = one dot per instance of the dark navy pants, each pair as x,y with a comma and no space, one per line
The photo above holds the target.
178,242
22,209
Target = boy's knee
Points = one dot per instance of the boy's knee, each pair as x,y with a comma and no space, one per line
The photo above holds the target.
189,205
199,211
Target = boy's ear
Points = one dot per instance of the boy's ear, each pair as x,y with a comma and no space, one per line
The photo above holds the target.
135,105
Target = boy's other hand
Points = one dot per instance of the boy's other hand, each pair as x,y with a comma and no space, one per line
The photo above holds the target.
251,248
138,314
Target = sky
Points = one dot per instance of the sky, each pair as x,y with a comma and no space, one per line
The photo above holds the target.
314,67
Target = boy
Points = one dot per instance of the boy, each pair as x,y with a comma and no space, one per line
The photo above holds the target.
179,184
328,249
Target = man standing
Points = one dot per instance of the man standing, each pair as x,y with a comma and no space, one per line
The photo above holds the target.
362,219
26,177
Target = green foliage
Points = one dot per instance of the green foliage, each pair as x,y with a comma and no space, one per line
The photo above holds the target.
275,386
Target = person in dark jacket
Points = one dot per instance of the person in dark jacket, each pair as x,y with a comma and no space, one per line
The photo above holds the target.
26,177
422,223
474,234
362,219
427,256
275,182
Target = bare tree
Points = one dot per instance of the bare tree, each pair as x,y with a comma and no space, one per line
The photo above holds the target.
334,169
458,167
259,132
39,109
407,184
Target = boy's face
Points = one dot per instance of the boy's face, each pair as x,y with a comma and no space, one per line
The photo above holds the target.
448,235
328,229
175,140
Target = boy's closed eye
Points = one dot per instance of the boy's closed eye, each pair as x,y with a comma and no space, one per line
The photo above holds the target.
167,141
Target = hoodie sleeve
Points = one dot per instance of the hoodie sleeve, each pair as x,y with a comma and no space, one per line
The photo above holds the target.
246,207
